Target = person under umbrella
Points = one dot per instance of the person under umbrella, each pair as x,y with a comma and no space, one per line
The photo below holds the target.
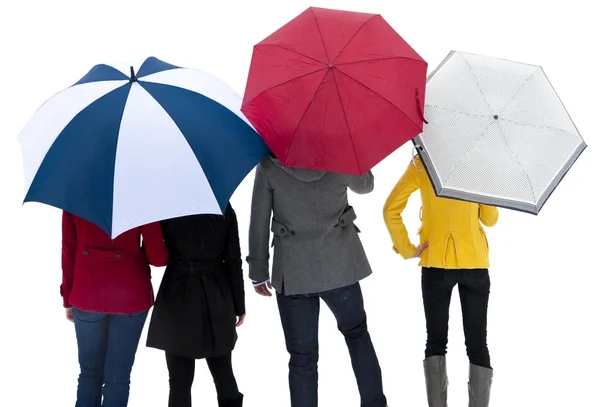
453,250
317,256
107,293
200,303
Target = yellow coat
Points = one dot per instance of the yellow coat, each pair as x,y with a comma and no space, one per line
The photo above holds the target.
453,228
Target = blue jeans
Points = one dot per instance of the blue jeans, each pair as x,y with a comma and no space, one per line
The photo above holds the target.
300,320
107,344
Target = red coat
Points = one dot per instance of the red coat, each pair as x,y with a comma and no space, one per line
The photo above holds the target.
105,275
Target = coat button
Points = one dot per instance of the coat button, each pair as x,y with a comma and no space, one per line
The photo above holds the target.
282,230
85,253
118,255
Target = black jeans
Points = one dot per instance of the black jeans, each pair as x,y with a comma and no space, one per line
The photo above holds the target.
181,377
474,290
300,320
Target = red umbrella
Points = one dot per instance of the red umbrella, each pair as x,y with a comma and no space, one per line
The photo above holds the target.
335,90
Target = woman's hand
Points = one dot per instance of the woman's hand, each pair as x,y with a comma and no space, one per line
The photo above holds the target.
264,289
69,314
240,320
420,249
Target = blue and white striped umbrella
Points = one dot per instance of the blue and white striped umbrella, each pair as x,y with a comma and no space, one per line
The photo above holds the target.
122,149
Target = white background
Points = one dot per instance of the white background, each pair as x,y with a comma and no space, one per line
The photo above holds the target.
543,317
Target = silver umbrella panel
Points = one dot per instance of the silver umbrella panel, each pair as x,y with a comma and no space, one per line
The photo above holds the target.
498,133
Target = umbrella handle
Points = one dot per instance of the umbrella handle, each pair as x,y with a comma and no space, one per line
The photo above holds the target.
415,153
418,97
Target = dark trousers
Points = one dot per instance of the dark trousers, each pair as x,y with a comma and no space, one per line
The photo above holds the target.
181,377
300,321
107,345
474,291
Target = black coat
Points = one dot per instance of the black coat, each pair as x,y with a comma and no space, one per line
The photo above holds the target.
202,290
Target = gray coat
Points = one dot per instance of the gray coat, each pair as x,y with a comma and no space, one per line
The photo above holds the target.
316,243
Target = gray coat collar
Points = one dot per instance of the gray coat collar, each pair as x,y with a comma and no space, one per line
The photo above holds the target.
301,174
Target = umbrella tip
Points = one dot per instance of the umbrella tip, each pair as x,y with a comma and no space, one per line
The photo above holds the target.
132,78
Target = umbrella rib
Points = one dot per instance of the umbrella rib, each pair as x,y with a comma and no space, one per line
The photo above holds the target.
540,127
477,83
384,98
562,104
518,162
467,154
351,38
379,59
459,112
517,92
288,81
304,114
507,145
347,123
294,52
320,35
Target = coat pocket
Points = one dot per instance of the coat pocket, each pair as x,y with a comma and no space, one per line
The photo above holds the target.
101,255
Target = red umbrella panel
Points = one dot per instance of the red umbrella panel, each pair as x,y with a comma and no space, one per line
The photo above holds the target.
335,90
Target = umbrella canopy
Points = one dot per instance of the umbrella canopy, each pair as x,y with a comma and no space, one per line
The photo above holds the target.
335,90
498,133
126,148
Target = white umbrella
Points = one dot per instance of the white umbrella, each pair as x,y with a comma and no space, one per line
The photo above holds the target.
498,133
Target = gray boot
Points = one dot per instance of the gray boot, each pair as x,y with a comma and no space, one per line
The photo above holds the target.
480,383
436,381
